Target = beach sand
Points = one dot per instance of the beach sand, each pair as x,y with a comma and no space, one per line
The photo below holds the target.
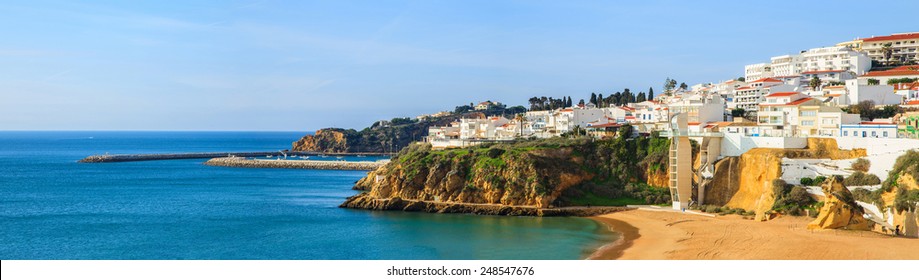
652,235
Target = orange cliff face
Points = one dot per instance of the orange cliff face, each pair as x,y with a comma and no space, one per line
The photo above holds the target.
839,209
746,181
324,140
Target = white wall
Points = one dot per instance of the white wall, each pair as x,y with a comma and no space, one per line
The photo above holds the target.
736,144
881,152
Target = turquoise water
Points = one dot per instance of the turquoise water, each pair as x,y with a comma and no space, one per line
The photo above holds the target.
54,208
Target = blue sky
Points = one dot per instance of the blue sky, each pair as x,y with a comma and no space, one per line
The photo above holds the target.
303,65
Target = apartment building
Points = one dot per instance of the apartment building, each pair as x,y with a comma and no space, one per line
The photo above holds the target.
903,47
750,96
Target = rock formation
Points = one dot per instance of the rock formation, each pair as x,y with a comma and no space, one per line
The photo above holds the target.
746,181
540,175
839,210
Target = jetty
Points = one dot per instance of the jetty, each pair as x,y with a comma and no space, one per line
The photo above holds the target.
295,164
170,156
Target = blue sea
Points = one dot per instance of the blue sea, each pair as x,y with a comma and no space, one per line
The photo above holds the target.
52,207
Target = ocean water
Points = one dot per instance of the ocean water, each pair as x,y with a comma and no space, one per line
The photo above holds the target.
54,208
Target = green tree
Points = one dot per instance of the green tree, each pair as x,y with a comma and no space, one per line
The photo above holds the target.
888,52
873,82
669,85
600,101
815,82
741,79
650,93
684,86
641,97
593,98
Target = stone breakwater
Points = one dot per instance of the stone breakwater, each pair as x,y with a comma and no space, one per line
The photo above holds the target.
294,164
364,201
145,157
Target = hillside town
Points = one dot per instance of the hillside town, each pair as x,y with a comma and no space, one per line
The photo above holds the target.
808,94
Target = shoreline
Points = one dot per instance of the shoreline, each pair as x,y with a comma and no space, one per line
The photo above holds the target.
656,235
294,164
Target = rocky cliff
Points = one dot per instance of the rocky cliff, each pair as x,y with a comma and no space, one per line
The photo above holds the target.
746,181
540,173
381,137
839,209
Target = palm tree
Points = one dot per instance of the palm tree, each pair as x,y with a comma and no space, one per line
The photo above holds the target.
888,52
815,82
520,119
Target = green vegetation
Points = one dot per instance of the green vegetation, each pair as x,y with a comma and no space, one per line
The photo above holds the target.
859,178
789,199
816,181
894,81
874,82
616,168
861,164
868,111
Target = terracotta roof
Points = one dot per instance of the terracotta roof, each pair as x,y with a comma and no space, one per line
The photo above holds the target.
627,108
767,80
606,125
782,94
875,123
912,102
899,71
566,110
899,86
835,87
823,71
834,95
629,117
892,37
743,88
783,77
799,101
796,102
693,123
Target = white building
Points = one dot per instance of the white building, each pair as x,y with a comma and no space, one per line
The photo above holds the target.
879,94
699,108
870,130
904,46
749,97
757,71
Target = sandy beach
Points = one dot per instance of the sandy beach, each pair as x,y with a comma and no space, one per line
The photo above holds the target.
650,235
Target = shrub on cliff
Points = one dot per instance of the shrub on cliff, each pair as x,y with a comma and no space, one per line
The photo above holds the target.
807,181
790,199
861,164
908,163
859,178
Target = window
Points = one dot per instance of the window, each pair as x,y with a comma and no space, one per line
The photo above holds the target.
807,123
845,133
885,134
874,134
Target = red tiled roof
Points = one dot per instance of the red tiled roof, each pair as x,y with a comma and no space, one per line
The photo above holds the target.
566,110
606,125
693,123
875,123
627,108
835,87
796,102
834,95
905,86
782,94
629,117
912,102
799,101
743,88
899,71
791,76
823,71
771,80
892,37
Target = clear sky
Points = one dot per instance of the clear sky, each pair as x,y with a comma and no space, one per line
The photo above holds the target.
303,65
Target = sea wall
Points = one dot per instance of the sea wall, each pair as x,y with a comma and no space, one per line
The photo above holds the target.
295,164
